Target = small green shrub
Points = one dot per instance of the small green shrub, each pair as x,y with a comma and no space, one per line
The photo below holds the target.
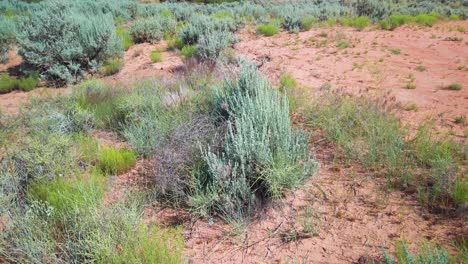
357,22
426,19
155,56
394,21
188,51
454,87
395,51
342,44
146,30
307,23
211,46
87,149
7,83
420,68
111,66
27,84
267,30
7,37
461,29
427,254
116,161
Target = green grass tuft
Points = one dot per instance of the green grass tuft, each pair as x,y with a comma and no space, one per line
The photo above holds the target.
155,56
116,161
188,51
267,30
454,87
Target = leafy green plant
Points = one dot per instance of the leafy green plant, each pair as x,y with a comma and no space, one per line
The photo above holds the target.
267,30
116,161
394,21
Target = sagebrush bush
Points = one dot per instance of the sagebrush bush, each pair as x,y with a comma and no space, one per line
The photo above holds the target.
211,45
62,45
116,161
426,254
7,37
263,154
152,29
267,30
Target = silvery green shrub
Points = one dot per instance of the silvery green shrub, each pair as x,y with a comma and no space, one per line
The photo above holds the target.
211,45
152,29
7,37
263,154
63,45
203,25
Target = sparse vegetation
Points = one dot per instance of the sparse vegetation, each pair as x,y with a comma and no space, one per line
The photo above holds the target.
454,87
389,152
210,137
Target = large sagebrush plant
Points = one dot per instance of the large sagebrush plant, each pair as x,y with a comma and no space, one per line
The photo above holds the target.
263,155
7,37
63,44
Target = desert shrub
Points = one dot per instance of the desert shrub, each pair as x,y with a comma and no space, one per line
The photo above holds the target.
146,30
7,37
7,83
357,22
307,23
267,29
426,19
111,66
189,51
116,161
211,45
262,153
373,9
427,254
62,45
155,56
28,83
394,21
204,25
454,87
126,37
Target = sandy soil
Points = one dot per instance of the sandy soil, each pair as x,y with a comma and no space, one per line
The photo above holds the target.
369,67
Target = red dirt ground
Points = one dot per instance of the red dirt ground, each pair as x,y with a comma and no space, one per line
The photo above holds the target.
368,66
